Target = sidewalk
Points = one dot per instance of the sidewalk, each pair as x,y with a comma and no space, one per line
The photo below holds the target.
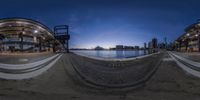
23,58
194,56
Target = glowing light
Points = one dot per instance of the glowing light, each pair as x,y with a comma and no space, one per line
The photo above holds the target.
23,32
188,34
35,31
196,35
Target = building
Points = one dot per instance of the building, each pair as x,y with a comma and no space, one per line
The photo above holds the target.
162,45
154,43
145,46
150,45
25,35
128,48
119,47
190,40
98,48
137,48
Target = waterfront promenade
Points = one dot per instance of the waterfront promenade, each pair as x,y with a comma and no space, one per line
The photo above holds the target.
23,58
194,56
25,66
115,74
61,82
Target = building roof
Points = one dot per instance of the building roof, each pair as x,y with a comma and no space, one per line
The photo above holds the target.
26,20
27,26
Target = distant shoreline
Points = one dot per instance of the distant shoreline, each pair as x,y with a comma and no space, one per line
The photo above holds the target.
116,59
104,50
111,54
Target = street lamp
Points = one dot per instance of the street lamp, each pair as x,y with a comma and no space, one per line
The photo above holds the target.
21,39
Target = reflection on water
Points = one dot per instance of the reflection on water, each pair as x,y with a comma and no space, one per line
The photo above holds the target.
145,52
119,54
111,53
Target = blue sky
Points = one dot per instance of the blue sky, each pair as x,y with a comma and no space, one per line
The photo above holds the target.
109,22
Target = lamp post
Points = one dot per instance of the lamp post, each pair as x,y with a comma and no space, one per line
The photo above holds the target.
186,44
1,38
21,40
198,42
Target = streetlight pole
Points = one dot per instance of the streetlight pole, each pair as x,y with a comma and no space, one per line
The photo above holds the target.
1,38
21,39
68,37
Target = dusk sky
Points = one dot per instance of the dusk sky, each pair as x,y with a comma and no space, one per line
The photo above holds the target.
109,22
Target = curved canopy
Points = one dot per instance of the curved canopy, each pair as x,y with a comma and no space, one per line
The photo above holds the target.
27,26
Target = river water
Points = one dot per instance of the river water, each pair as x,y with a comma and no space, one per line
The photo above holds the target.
111,53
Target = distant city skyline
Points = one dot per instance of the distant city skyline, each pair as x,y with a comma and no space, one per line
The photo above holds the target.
109,22
109,47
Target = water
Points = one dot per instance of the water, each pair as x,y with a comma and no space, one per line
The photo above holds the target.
111,53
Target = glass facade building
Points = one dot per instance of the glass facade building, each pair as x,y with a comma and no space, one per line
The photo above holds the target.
25,35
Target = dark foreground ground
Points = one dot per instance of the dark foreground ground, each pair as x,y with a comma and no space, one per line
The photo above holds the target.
60,83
